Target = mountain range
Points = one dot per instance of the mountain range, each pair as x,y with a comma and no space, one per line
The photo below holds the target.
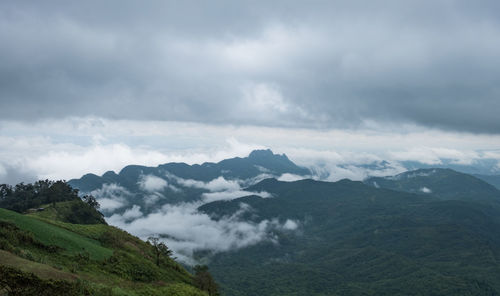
432,231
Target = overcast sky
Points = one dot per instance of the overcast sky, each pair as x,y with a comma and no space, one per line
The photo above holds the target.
87,86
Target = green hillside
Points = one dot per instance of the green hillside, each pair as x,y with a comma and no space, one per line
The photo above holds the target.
41,253
84,259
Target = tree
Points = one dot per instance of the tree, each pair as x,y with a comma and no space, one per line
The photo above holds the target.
22,197
5,191
91,201
159,248
204,281
61,191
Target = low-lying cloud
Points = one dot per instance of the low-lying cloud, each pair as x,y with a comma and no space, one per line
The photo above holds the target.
229,195
111,197
218,184
152,183
181,225
222,189
186,230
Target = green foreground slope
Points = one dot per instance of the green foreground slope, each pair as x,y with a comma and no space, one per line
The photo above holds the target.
41,256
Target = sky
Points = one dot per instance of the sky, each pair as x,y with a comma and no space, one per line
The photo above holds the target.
91,86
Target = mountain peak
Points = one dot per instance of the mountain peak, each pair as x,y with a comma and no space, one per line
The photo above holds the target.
264,153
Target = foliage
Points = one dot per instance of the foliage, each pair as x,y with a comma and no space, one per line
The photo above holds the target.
445,184
203,280
22,197
91,201
355,239
47,255
15,282
160,249
53,200
48,234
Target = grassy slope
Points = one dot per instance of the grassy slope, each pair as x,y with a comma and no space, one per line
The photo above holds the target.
64,211
108,260
43,271
49,234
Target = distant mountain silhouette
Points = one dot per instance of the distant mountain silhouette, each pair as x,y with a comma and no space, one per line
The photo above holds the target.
442,183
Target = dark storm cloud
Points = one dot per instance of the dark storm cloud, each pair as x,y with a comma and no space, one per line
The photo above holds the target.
303,64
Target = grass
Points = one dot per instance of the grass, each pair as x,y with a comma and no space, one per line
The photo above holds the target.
43,271
41,254
71,242
54,212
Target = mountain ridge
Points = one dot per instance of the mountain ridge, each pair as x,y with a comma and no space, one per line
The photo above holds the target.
257,162
443,183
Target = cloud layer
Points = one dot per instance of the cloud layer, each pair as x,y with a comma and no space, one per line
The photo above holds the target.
70,148
185,230
333,64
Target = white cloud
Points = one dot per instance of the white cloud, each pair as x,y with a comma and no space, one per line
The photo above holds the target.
229,195
133,213
109,204
151,183
425,190
215,185
151,199
332,172
290,177
290,225
188,230
111,197
222,189
435,155
69,148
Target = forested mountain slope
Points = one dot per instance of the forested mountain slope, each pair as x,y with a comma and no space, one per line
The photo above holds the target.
347,238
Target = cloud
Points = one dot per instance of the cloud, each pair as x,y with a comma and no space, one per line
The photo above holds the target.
435,155
70,148
327,65
329,171
14,174
185,230
229,195
110,204
220,188
131,214
290,225
425,190
290,177
151,183
111,197
152,199
218,184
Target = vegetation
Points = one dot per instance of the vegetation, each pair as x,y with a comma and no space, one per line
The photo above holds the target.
355,239
160,249
54,200
203,280
22,197
351,239
47,253
445,184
